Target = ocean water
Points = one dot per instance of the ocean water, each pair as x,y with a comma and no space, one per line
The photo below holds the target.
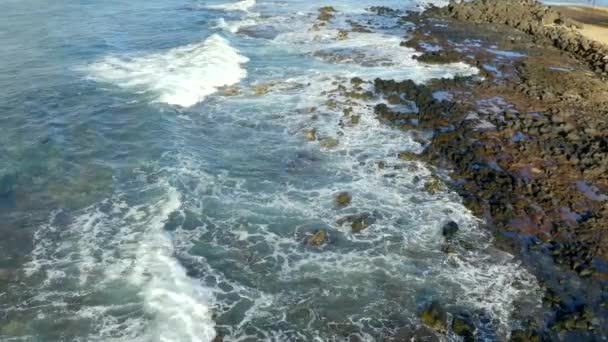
156,183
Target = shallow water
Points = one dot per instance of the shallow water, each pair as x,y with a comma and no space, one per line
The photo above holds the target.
143,200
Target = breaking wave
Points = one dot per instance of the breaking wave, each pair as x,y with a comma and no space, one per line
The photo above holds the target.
182,76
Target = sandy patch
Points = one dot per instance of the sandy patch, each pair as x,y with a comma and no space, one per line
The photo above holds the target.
595,20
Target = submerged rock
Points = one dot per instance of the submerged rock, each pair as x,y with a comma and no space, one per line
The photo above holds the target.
358,222
326,13
311,134
435,317
415,333
231,91
368,95
384,11
262,89
433,186
449,248
259,31
356,81
406,155
329,143
343,199
438,57
342,34
318,239
462,326
524,336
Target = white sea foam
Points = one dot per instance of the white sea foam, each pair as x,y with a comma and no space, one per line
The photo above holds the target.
259,270
117,249
181,76
177,303
378,53
243,5
233,26
404,244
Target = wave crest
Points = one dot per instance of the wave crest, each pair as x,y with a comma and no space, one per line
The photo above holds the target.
243,5
182,76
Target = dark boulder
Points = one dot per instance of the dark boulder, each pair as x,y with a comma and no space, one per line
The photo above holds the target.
450,229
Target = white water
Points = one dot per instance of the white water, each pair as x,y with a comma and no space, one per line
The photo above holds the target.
247,247
112,249
177,303
243,5
182,76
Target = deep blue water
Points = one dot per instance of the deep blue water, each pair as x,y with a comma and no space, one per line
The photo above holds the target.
156,183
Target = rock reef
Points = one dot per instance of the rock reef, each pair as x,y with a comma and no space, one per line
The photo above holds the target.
527,143
542,22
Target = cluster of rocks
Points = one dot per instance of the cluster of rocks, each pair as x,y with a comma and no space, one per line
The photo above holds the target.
538,20
436,317
534,165
356,222
536,169
325,15
426,113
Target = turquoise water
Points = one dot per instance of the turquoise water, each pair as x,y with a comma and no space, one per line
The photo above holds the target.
156,183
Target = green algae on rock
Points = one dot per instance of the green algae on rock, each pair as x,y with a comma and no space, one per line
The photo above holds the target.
310,134
433,186
318,239
326,13
343,199
358,222
329,143
435,317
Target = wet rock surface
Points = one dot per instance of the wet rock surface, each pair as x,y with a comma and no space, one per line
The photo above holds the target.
435,317
358,222
527,144
318,239
449,230
463,326
343,199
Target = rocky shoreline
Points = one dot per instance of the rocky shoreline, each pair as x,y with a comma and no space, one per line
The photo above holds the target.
523,145
526,143
545,24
